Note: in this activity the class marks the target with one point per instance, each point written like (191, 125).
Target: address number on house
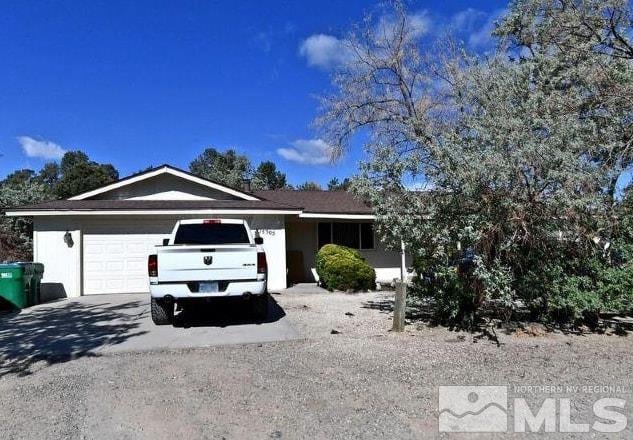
(270, 232)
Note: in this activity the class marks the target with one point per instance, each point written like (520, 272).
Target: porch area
(305, 236)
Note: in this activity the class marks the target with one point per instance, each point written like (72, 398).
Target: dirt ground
(348, 377)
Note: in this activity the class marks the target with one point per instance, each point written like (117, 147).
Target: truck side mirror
(259, 240)
(165, 241)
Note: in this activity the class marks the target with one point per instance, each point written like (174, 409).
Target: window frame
(360, 234)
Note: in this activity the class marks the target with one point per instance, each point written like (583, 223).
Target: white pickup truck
(205, 259)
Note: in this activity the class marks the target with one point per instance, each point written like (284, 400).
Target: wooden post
(399, 307)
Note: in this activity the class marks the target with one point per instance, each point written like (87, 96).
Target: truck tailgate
(206, 263)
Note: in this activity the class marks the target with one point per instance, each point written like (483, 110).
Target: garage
(117, 263)
(115, 254)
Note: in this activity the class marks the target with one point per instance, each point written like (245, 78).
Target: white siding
(273, 230)
(165, 187)
(62, 262)
(386, 263)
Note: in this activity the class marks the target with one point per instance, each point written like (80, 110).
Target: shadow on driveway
(96, 325)
(57, 332)
(225, 312)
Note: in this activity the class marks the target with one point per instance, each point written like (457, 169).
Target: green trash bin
(27, 277)
(36, 283)
(14, 286)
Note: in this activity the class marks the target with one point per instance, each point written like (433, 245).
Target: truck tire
(162, 313)
(259, 307)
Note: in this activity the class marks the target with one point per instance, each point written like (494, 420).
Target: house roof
(318, 202)
(157, 171)
(315, 204)
(120, 206)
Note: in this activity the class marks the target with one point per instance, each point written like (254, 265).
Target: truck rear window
(211, 233)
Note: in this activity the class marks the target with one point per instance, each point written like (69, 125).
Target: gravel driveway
(360, 382)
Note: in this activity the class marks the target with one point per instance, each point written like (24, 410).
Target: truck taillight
(152, 265)
(211, 221)
(262, 265)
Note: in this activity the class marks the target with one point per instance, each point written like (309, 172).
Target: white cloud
(482, 38)
(264, 40)
(473, 25)
(419, 23)
(324, 51)
(41, 148)
(327, 51)
(476, 26)
(467, 19)
(308, 152)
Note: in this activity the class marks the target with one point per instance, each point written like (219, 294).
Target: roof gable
(172, 186)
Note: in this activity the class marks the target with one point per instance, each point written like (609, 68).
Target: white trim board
(154, 212)
(339, 216)
(158, 172)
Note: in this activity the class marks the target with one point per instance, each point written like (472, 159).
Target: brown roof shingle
(313, 202)
(133, 205)
(318, 202)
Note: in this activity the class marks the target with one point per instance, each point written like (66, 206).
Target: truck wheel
(260, 306)
(162, 313)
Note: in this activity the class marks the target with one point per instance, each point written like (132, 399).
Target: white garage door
(115, 256)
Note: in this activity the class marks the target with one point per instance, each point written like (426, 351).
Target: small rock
(349, 314)
(334, 332)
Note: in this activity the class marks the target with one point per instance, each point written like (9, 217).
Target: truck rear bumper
(183, 290)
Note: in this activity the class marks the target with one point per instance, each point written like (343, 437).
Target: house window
(366, 236)
(353, 235)
(325, 234)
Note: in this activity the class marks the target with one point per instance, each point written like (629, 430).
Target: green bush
(597, 288)
(452, 300)
(342, 268)
(326, 252)
(566, 289)
(456, 294)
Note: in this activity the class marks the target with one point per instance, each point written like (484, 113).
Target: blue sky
(138, 83)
